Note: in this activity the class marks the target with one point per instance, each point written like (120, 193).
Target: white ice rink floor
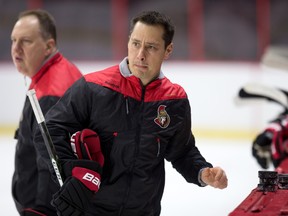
(180, 198)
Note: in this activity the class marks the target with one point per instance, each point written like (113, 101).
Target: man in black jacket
(141, 118)
(35, 55)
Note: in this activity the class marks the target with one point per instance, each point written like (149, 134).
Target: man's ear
(50, 46)
(168, 51)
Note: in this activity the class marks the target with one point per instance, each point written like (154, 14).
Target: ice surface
(180, 198)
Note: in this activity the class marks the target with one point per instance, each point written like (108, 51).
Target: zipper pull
(127, 105)
(158, 143)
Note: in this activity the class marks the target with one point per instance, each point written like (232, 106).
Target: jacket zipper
(130, 179)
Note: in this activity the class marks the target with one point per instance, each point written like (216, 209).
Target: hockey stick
(45, 133)
(261, 91)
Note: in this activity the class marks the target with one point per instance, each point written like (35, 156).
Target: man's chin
(24, 72)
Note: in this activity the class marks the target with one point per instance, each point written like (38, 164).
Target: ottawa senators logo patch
(162, 119)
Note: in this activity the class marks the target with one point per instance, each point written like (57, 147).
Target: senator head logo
(162, 119)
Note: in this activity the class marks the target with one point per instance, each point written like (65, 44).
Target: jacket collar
(124, 69)
(50, 61)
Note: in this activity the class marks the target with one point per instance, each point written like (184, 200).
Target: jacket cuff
(202, 184)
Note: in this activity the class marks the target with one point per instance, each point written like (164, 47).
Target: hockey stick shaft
(254, 90)
(45, 133)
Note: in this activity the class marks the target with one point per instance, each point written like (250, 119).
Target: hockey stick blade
(45, 133)
(261, 91)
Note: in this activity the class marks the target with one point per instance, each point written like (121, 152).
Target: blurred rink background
(218, 48)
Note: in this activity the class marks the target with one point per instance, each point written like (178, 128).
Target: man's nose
(16, 47)
(141, 54)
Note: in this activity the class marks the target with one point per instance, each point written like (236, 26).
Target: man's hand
(73, 199)
(86, 145)
(83, 176)
(215, 177)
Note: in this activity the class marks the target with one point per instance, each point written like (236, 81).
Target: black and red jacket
(32, 185)
(139, 127)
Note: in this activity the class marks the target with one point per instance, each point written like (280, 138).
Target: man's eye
(151, 48)
(27, 41)
(135, 43)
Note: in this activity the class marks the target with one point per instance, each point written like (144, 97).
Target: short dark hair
(156, 18)
(46, 21)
